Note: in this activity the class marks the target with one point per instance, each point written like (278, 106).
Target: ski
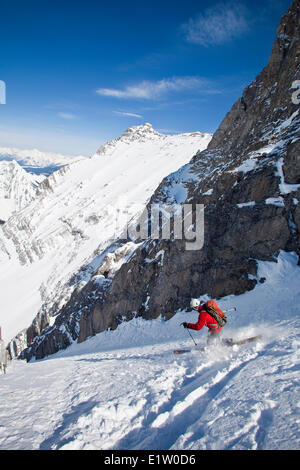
(182, 351)
(225, 342)
(243, 341)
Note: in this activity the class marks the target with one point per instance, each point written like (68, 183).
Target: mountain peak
(143, 127)
(139, 132)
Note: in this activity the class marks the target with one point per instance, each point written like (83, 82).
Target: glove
(184, 324)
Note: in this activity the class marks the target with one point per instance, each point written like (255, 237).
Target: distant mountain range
(37, 162)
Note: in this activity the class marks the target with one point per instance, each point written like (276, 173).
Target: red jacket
(205, 319)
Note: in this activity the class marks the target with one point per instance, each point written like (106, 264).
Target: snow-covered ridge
(145, 133)
(70, 223)
(17, 188)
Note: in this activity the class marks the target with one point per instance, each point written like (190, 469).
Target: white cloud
(121, 113)
(67, 115)
(217, 25)
(154, 89)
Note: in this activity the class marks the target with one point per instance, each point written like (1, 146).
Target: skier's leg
(213, 338)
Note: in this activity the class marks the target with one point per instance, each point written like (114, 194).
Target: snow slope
(124, 389)
(74, 219)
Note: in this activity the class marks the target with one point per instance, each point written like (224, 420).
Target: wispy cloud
(217, 25)
(154, 89)
(67, 116)
(122, 113)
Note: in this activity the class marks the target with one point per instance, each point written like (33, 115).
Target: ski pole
(230, 309)
(191, 336)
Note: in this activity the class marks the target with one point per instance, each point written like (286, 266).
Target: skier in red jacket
(204, 319)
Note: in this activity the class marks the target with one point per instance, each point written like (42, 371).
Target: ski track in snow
(125, 389)
(145, 398)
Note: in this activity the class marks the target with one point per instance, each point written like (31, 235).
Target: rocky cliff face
(249, 182)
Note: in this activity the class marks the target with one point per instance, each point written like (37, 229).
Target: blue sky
(79, 72)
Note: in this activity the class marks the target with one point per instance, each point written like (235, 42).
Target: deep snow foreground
(125, 389)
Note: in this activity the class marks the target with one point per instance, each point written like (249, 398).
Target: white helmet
(194, 304)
